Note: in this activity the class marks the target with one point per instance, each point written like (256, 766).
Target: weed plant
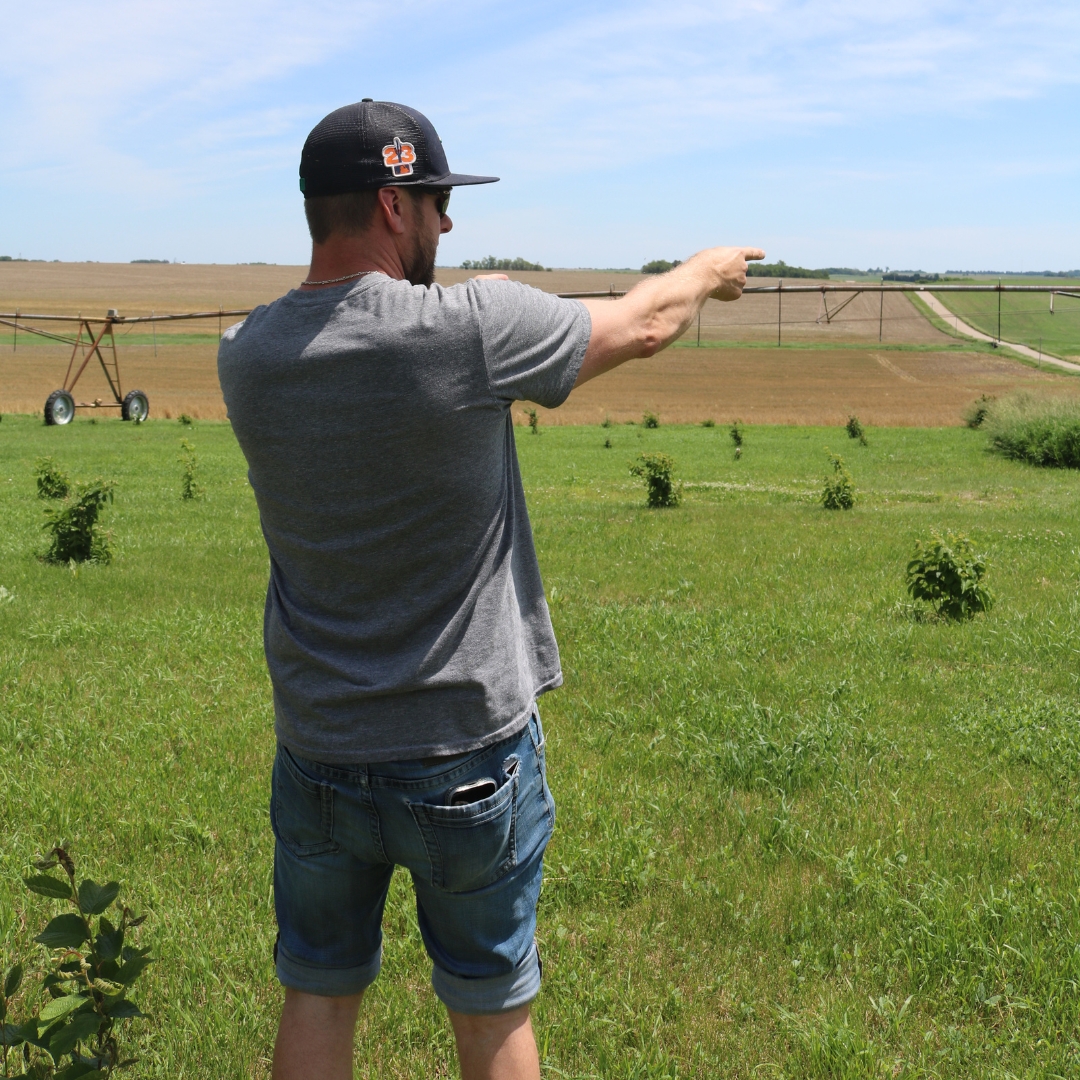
(650, 420)
(708, 423)
(737, 435)
(839, 490)
(975, 414)
(51, 482)
(534, 421)
(76, 536)
(184, 420)
(1038, 430)
(663, 491)
(190, 488)
(947, 573)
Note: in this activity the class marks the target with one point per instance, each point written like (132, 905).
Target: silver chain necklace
(335, 280)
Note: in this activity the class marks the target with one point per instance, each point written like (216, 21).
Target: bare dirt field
(684, 384)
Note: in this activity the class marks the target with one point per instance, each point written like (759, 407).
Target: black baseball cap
(374, 144)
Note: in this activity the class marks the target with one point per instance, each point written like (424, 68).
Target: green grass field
(802, 831)
(1025, 318)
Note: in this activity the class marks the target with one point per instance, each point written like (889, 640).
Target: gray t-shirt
(405, 615)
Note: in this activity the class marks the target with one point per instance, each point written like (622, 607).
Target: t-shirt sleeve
(534, 342)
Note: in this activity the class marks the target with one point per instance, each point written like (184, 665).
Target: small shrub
(190, 488)
(736, 433)
(839, 490)
(90, 972)
(534, 421)
(854, 429)
(650, 420)
(1039, 430)
(606, 422)
(608, 443)
(184, 419)
(948, 574)
(708, 423)
(658, 472)
(977, 411)
(51, 482)
(75, 536)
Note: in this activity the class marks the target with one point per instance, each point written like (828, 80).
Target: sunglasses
(442, 200)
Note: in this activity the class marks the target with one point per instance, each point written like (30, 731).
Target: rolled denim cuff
(477, 997)
(324, 981)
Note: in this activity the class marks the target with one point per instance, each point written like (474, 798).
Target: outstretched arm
(656, 312)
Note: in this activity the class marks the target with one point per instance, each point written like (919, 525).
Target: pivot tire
(136, 406)
(59, 408)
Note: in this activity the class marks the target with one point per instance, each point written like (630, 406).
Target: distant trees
(659, 266)
(491, 263)
(782, 270)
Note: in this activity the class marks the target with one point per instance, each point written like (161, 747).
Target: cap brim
(461, 180)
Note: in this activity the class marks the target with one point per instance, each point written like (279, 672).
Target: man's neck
(345, 257)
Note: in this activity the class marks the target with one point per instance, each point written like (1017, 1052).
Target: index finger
(753, 254)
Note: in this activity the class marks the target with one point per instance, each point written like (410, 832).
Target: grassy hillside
(803, 831)
(1025, 318)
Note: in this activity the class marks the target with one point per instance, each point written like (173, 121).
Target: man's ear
(392, 208)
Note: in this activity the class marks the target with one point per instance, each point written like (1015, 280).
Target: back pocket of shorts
(301, 809)
(471, 846)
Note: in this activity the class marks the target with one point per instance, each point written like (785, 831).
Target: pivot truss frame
(94, 344)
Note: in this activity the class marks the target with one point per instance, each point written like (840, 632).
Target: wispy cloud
(117, 102)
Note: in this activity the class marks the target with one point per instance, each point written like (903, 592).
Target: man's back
(405, 614)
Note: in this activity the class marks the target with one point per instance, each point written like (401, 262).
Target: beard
(419, 267)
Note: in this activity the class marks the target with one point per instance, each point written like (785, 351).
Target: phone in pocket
(473, 791)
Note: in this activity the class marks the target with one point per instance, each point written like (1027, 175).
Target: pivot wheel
(59, 408)
(136, 406)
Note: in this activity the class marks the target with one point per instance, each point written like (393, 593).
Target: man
(406, 630)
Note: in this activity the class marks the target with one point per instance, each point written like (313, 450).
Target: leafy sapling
(658, 472)
(839, 490)
(51, 482)
(74, 1034)
(737, 436)
(534, 421)
(74, 526)
(947, 573)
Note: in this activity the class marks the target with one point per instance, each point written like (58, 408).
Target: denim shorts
(476, 868)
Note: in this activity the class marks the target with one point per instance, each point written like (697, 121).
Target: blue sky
(923, 135)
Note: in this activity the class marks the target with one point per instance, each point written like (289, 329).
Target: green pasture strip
(803, 831)
(1025, 318)
(964, 345)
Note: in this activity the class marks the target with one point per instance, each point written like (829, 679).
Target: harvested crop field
(927, 381)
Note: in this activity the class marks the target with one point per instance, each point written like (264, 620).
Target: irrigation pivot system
(89, 341)
(95, 337)
(856, 289)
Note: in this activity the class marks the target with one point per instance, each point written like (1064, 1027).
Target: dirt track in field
(757, 385)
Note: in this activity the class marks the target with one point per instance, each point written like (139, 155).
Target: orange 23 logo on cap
(399, 156)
